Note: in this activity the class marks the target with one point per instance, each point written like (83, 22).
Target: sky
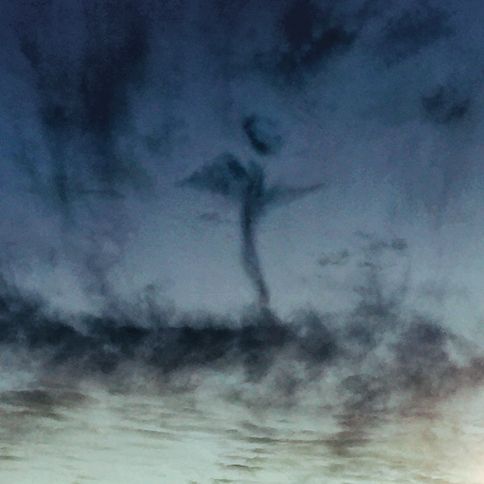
(378, 101)
(136, 133)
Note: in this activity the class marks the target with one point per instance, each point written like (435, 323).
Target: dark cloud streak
(247, 186)
(445, 105)
(311, 37)
(261, 133)
(84, 94)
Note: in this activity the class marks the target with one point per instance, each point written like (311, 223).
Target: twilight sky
(136, 132)
(106, 107)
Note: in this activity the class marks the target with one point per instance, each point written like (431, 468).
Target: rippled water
(58, 435)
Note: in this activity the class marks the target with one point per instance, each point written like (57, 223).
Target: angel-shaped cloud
(246, 185)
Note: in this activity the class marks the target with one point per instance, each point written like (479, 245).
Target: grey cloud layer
(383, 360)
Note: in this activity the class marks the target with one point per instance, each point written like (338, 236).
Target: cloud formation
(83, 94)
(247, 186)
(375, 361)
(380, 100)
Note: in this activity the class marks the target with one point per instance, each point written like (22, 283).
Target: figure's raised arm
(282, 195)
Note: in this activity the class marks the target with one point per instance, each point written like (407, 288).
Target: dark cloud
(45, 400)
(85, 63)
(101, 344)
(418, 27)
(228, 177)
(387, 362)
(261, 132)
(33, 409)
(310, 36)
(375, 245)
(335, 259)
(445, 105)
(84, 93)
(225, 176)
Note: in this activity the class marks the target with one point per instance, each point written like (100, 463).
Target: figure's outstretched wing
(281, 195)
(224, 176)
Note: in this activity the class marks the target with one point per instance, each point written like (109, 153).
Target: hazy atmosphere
(245, 232)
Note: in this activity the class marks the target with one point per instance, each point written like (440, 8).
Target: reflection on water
(56, 435)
